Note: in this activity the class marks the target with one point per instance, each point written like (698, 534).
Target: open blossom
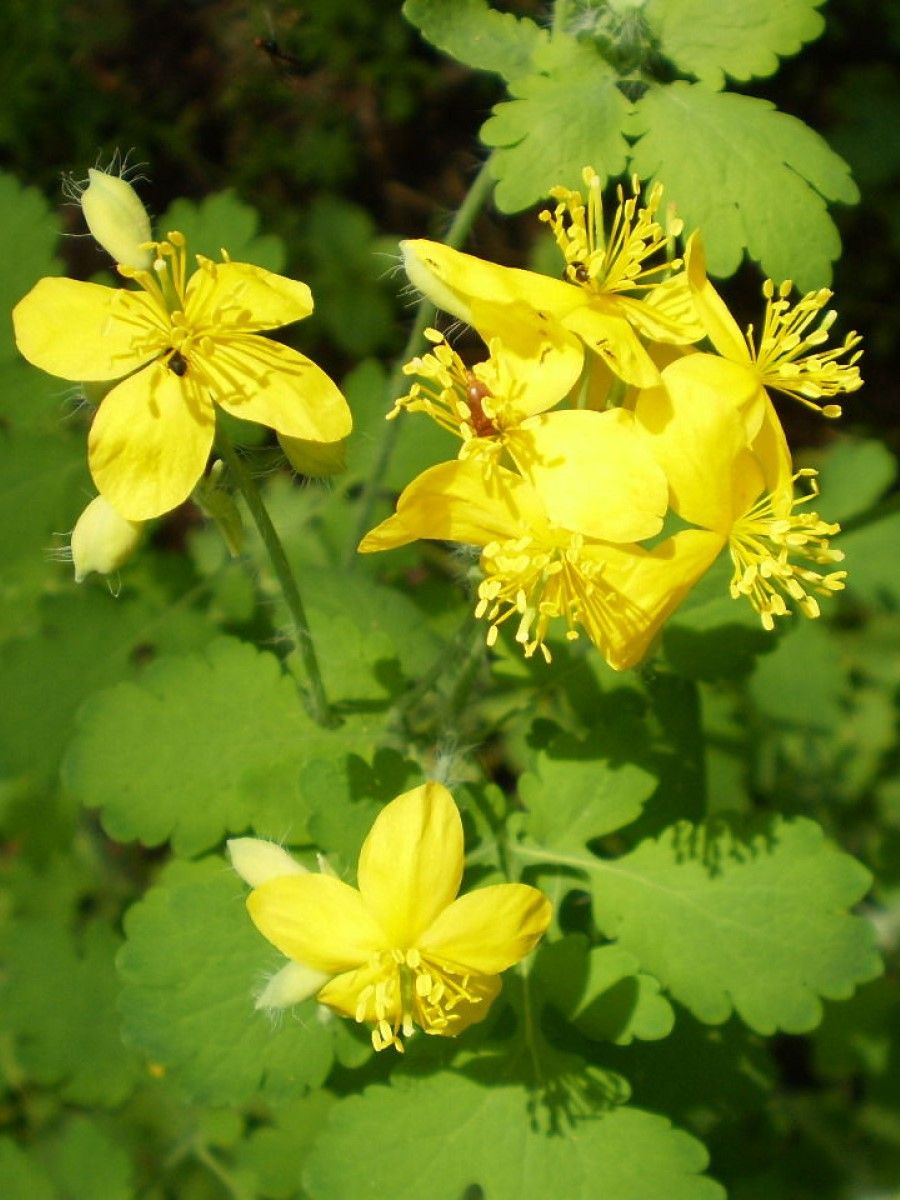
(731, 476)
(595, 304)
(485, 404)
(785, 356)
(552, 537)
(180, 343)
(400, 950)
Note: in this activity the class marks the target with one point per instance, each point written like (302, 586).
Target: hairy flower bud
(102, 541)
(117, 219)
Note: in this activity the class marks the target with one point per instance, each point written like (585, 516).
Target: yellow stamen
(614, 263)
(540, 580)
(459, 399)
(413, 989)
(787, 357)
(763, 544)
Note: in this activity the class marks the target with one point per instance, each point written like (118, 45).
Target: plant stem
(315, 692)
(424, 315)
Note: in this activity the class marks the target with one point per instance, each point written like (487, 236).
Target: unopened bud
(117, 219)
(257, 860)
(102, 540)
(315, 460)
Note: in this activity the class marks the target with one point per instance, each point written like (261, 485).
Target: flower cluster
(400, 950)
(620, 434)
(181, 342)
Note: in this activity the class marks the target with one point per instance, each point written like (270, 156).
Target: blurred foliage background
(344, 131)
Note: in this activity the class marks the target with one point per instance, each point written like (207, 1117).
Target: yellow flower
(401, 950)
(484, 404)
(786, 357)
(593, 302)
(730, 474)
(551, 536)
(179, 345)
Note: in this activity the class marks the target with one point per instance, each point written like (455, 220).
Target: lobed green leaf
(478, 35)
(715, 38)
(747, 176)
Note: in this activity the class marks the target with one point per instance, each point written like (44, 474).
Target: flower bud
(291, 985)
(315, 460)
(117, 219)
(102, 541)
(257, 860)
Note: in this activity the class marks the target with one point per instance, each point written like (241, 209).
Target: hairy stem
(424, 315)
(315, 689)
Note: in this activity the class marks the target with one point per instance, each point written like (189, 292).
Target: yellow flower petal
(86, 332)
(594, 472)
(243, 298)
(293, 984)
(487, 931)
(452, 280)
(651, 585)
(317, 920)
(697, 429)
(603, 328)
(149, 442)
(411, 863)
(454, 502)
(541, 357)
(721, 328)
(264, 381)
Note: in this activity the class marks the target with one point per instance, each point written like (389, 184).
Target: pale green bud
(315, 460)
(102, 540)
(293, 983)
(257, 861)
(117, 219)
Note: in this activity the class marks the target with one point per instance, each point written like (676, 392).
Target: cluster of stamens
(456, 397)
(412, 990)
(764, 542)
(538, 581)
(617, 262)
(787, 357)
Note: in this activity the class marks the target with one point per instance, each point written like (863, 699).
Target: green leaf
(191, 964)
(714, 38)
(602, 991)
(58, 1000)
(86, 1164)
(466, 1136)
(568, 115)
(84, 641)
(853, 476)
(222, 221)
(28, 235)
(20, 1177)
(803, 682)
(575, 795)
(478, 35)
(204, 745)
(275, 1154)
(713, 636)
(872, 553)
(755, 923)
(44, 486)
(747, 176)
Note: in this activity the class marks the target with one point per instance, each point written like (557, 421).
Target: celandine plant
(541, 810)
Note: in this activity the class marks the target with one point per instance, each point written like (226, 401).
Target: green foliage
(468, 1134)
(226, 724)
(715, 38)
(190, 967)
(684, 818)
(747, 176)
(478, 35)
(567, 114)
(223, 221)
